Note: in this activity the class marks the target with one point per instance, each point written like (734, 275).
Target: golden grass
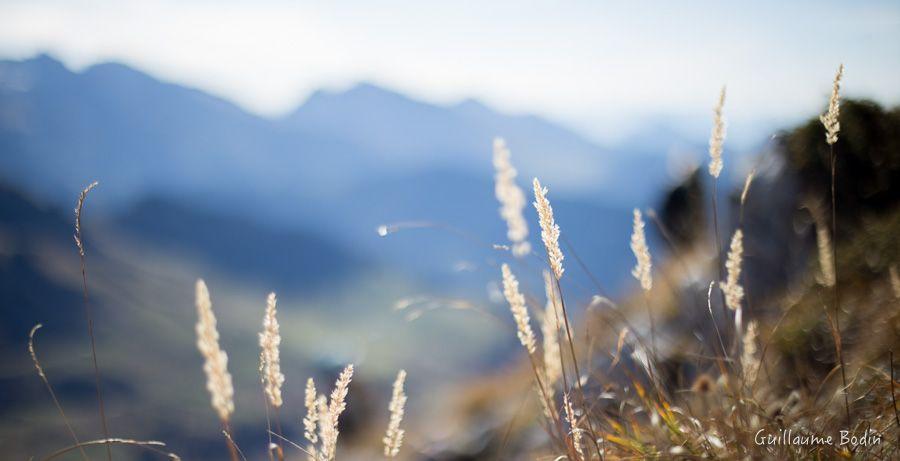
(393, 437)
(717, 137)
(269, 341)
(511, 198)
(549, 229)
(734, 292)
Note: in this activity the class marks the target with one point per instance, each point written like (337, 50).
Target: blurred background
(261, 145)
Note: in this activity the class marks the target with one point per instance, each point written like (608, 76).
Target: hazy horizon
(594, 68)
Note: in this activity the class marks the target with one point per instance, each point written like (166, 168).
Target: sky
(596, 65)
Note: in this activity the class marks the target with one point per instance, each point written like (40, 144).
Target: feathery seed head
(717, 137)
(573, 424)
(545, 405)
(269, 341)
(218, 380)
(517, 305)
(734, 292)
(312, 413)
(830, 118)
(823, 244)
(34, 359)
(78, 207)
(749, 360)
(747, 183)
(336, 405)
(393, 439)
(643, 269)
(511, 198)
(549, 229)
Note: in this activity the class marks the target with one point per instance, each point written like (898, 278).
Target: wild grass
(747, 393)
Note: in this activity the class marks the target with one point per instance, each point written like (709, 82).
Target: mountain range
(337, 167)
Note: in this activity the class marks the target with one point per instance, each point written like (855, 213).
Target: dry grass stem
(549, 229)
(59, 408)
(152, 445)
(393, 438)
(717, 137)
(643, 269)
(218, 380)
(519, 311)
(511, 198)
(269, 341)
(830, 118)
(550, 333)
(79, 242)
(734, 292)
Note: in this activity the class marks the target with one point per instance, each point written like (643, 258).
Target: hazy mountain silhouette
(344, 162)
(60, 129)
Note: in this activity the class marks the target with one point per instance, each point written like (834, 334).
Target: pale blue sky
(595, 65)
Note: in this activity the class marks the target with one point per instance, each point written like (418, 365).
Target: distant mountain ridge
(59, 129)
(336, 168)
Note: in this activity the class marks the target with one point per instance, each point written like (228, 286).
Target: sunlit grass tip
(511, 198)
(734, 292)
(549, 229)
(269, 342)
(218, 380)
(520, 312)
(393, 438)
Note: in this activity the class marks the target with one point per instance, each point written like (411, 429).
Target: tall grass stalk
(832, 125)
(526, 335)
(79, 242)
(643, 272)
(550, 236)
(215, 366)
(716, 143)
(393, 437)
(270, 366)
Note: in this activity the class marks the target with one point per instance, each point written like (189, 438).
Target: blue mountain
(338, 166)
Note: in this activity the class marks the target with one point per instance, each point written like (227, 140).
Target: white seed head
(830, 118)
(717, 137)
(78, 208)
(734, 292)
(549, 229)
(643, 269)
(312, 413)
(577, 435)
(393, 439)
(269, 341)
(336, 405)
(749, 360)
(511, 198)
(218, 380)
(519, 311)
